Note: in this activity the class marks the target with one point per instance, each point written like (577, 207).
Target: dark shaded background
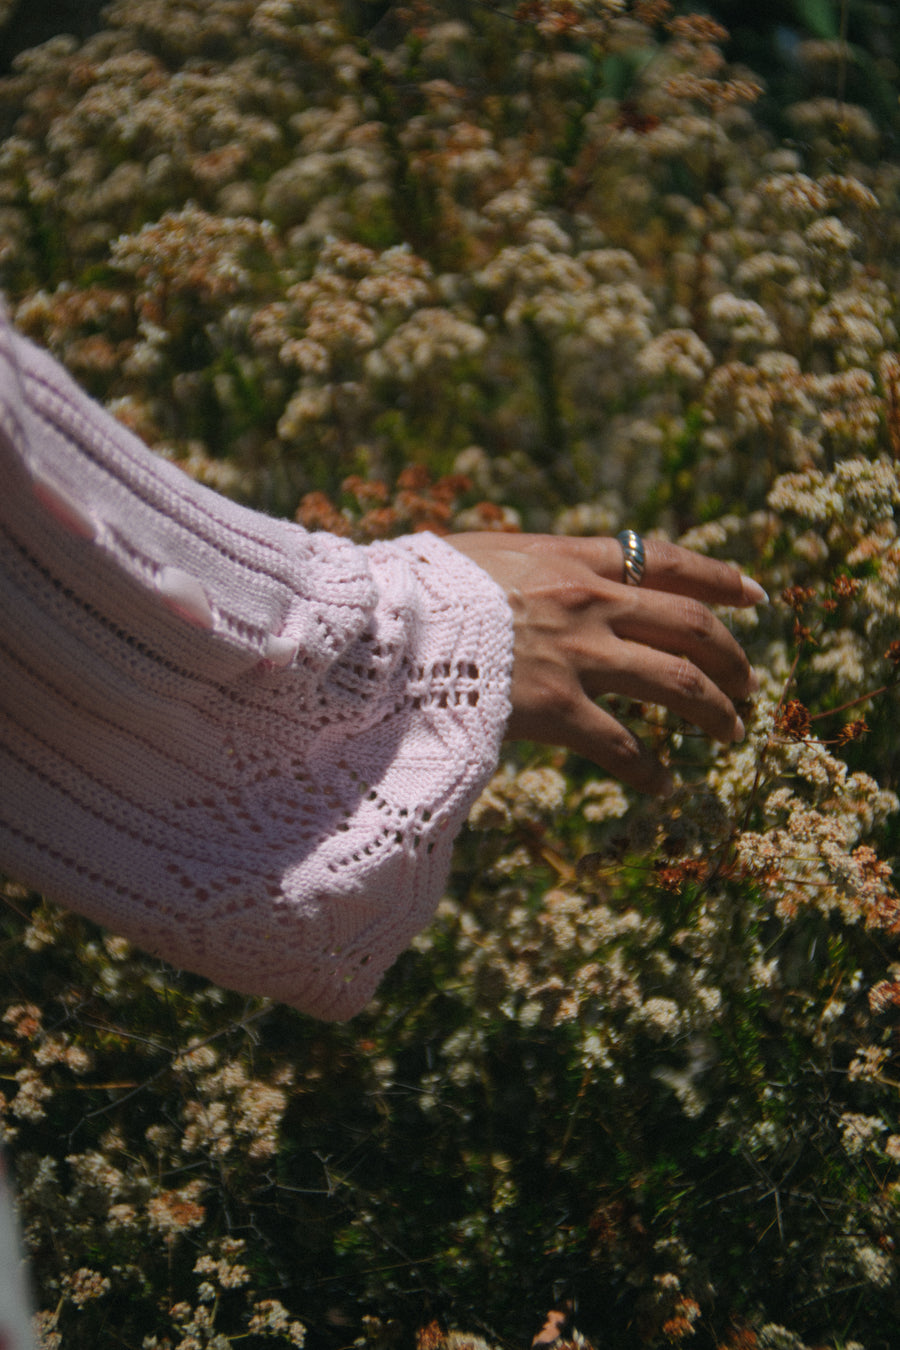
(33, 21)
(766, 36)
(764, 32)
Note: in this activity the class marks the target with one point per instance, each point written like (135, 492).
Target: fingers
(581, 632)
(592, 732)
(683, 627)
(656, 677)
(668, 568)
(597, 736)
(678, 571)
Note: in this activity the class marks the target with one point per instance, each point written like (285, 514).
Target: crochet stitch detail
(245, 747)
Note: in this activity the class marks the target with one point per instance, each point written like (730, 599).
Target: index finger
(678, 571)
(668, 567)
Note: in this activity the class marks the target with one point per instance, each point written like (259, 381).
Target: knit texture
(245, 747)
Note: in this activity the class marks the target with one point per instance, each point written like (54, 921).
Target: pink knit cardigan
(245, 747)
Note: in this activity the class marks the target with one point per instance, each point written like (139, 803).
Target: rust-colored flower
(631, 118)
(652, 12)
(740, 1338)
(884, 995)
(793, 720)
(890, 379)
(379, 523)
(316, 512)
(550, 17)
(367, 491)
(884, 913)
(451, 486)
(413, 478)
(697, 28)
(429, 1337)
(853, 731)
(674, 876)
(25, 1019)
(174, 1212)
(845, 587)
(798, 597)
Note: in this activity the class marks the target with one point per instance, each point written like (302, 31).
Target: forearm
(246, 747)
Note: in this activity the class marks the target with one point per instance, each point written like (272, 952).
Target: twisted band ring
(633, 549)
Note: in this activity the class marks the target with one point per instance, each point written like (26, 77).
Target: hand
(580, 633)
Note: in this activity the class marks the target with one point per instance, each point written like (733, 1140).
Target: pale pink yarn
(245, 747)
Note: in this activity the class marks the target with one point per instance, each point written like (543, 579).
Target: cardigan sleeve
(245, 747)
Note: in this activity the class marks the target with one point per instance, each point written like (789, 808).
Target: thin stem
(842, 707)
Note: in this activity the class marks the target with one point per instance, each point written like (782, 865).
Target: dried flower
(793, 720)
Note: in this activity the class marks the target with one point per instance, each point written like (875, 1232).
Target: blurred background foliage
(556, 266)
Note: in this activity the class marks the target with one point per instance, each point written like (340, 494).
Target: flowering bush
(549, 270)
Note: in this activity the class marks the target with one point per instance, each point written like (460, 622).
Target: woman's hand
(580, 633)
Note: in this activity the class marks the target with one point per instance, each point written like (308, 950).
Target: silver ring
(635, 559)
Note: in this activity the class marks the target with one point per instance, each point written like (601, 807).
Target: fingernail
(754, 682)
(740, 729)
(753, 592)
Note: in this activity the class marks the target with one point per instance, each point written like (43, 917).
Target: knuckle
(565, 593)
(675, 565)
(724, 576)
(698, 621)
(567, 703)
(577, 595)
(667, 558)
(559, 694)
(689, 682)
(582, 592)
